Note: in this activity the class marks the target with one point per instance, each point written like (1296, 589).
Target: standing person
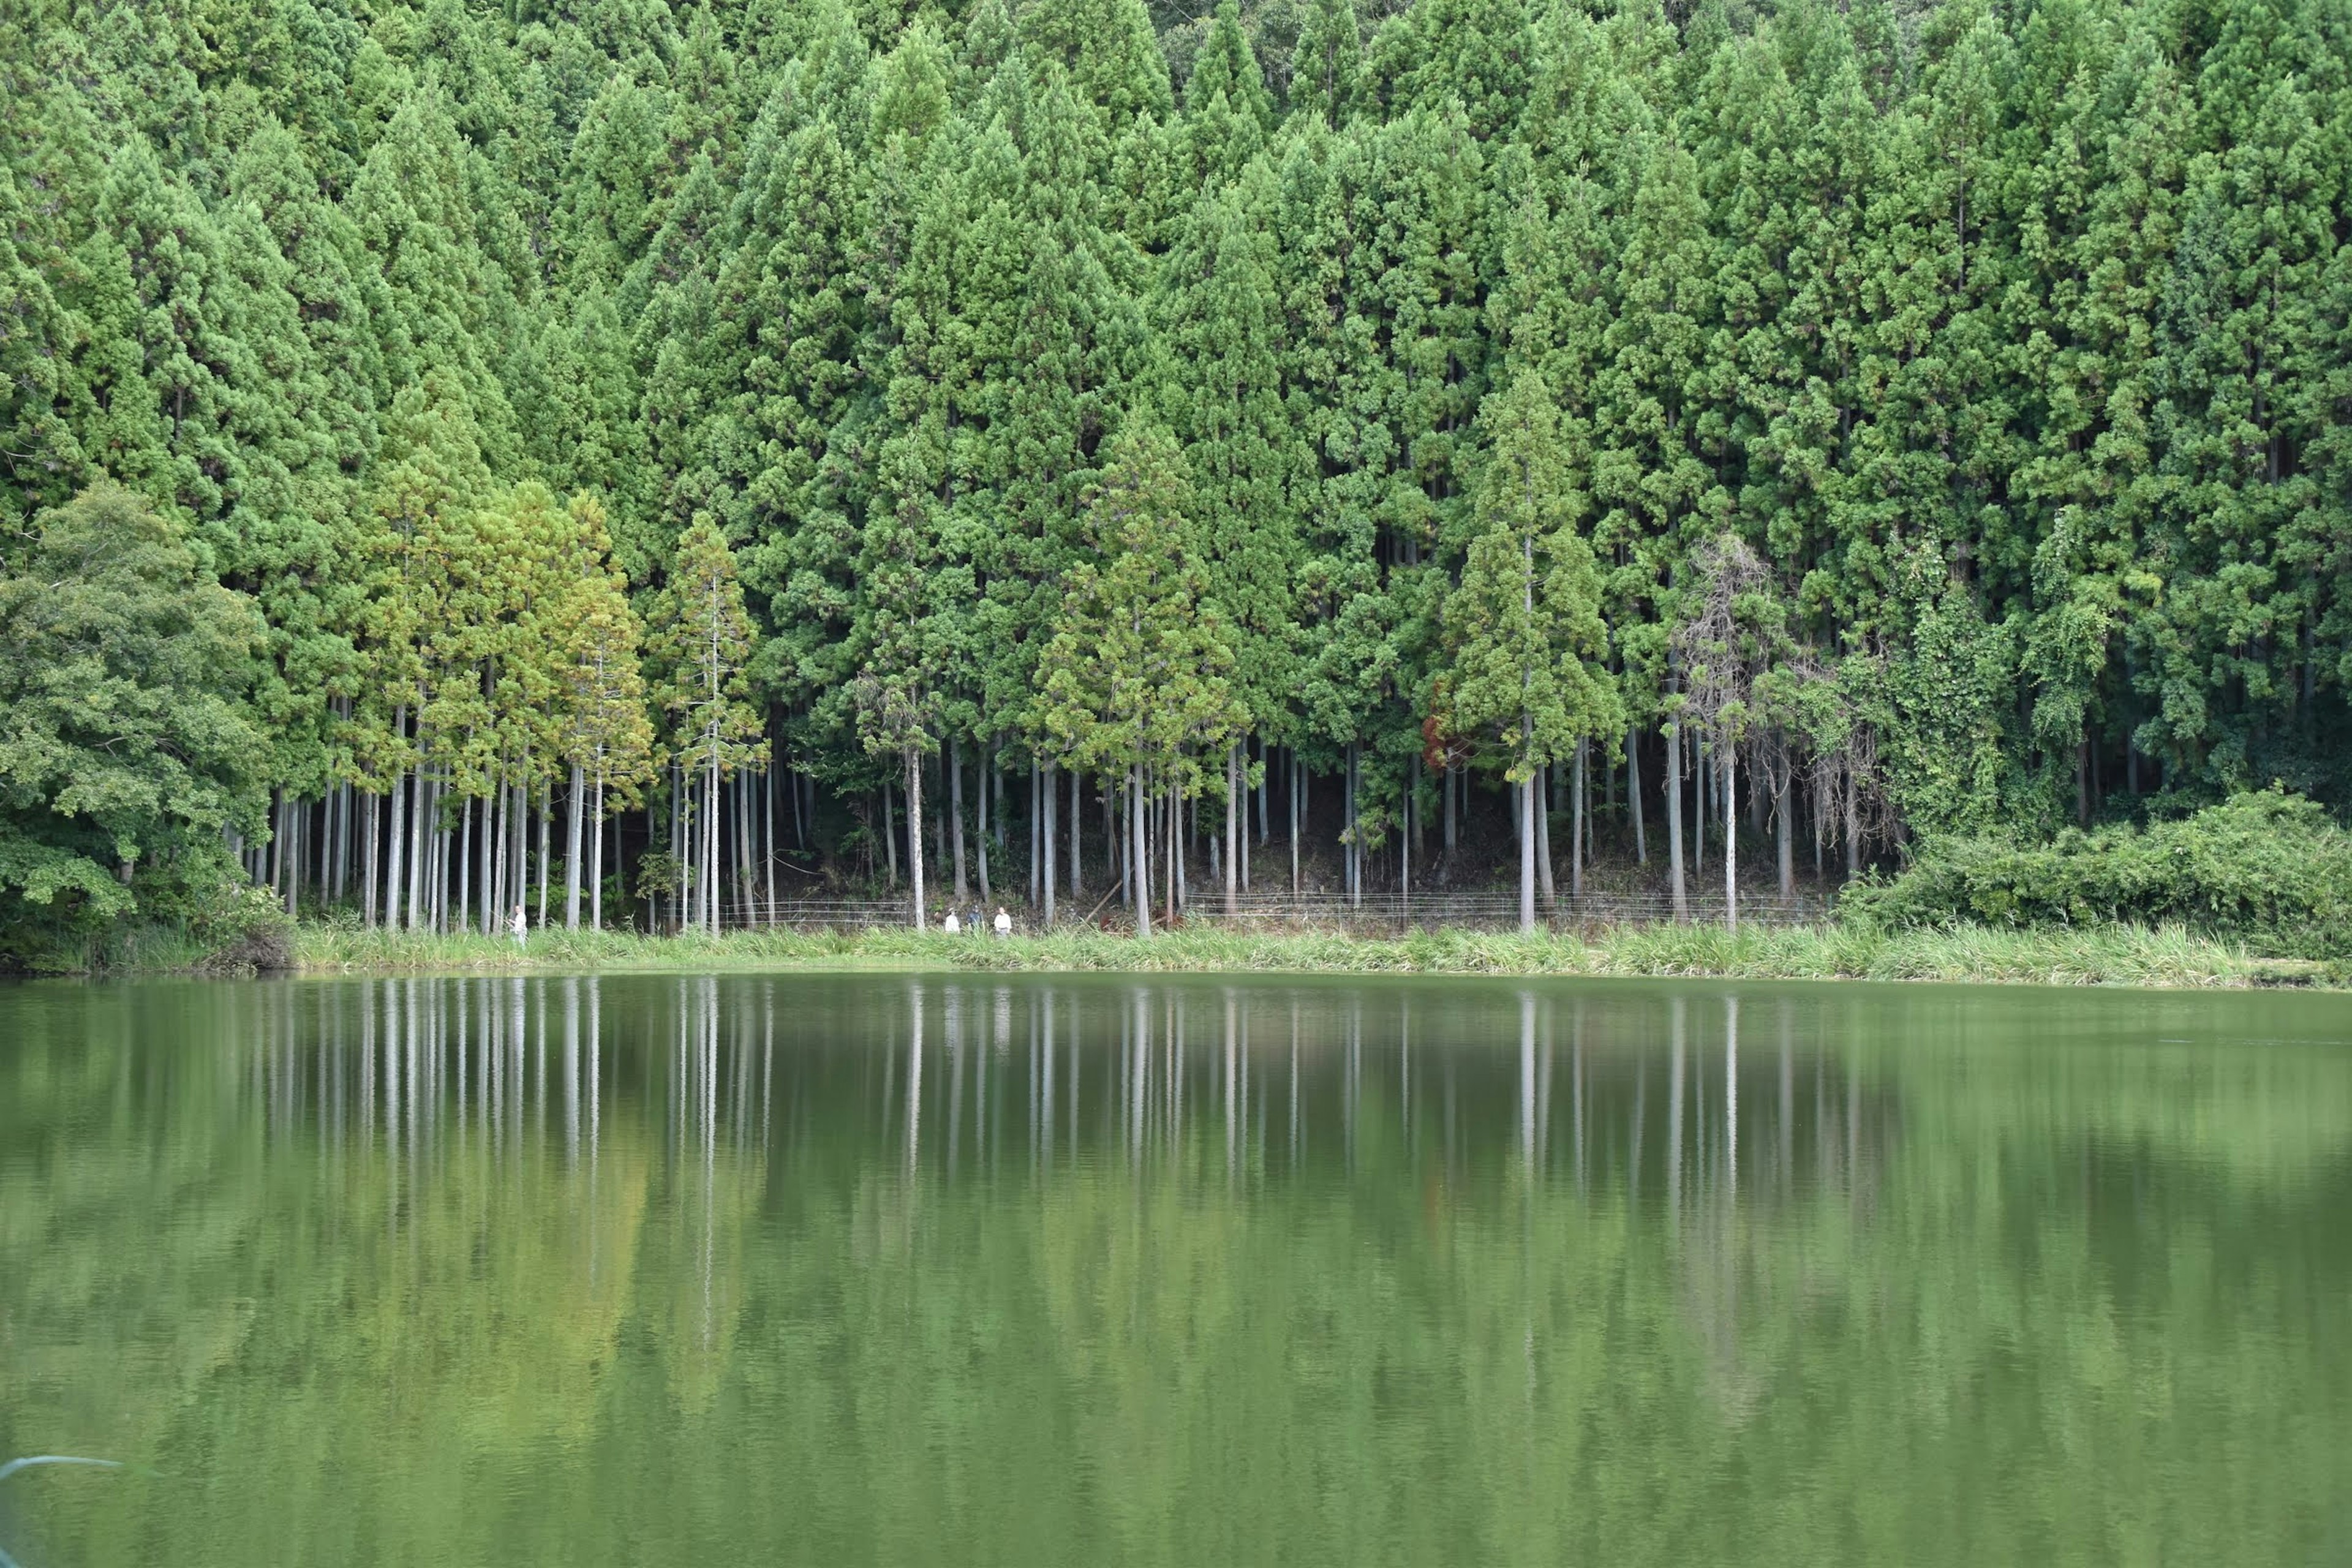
(952, 925)
(519, 927)
(1003, 922)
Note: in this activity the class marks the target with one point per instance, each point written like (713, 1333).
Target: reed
(2112, 955)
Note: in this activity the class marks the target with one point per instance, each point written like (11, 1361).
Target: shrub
(2271, 869)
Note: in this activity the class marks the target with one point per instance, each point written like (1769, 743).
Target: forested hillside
(738, 425)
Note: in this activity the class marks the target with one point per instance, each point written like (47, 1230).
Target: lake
(1044, 1270)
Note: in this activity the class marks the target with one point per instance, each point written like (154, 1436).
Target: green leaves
(1524, 627)
(125, 745)
(1139, 671)
(2010, 345)
(701, 639)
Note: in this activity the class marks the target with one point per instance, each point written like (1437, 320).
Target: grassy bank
(2119, 955)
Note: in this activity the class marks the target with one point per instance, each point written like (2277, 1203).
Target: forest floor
(2120, 955)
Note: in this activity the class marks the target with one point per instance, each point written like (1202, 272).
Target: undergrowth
(2118, 955)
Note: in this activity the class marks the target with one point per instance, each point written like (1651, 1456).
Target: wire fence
(1372, 914)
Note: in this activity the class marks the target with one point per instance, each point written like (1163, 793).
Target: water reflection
(893, 1267)
(436, 1080)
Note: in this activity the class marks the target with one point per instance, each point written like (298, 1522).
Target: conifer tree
(702, 635)
(609, 740)
(1523, 628)
(1137, 681)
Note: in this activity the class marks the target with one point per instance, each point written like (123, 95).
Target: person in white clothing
(1003, 921)
(518, 926)
(952, 925)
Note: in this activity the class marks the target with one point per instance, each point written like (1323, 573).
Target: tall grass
(2115, 955)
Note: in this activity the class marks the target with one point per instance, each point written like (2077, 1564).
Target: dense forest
(680, 456)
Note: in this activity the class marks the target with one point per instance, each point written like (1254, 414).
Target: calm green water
(891, 1269)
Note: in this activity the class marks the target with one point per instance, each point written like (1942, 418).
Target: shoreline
(2120, 955)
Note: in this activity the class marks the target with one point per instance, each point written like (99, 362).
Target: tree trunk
(1527, 852)
(1730, 836)
(1139, 884)
(1412, 806)
(546, 810)
(1544, 801)
(1405, 835)
(576, 805)
(747, 844)
(1784, 798)
(476, 893)
(1234, 804)
(1576, 825)
(1172, 863)
(1245, 841)
(436, 838)
(396, 831)
(680, 853)
(915, 833)
(955, 814)
(982, 821)
(1700, 803)
(712, 793)
(1674, 814)
(1634, 795)
(596, 862)
(1852, 825)
(280, 829)
(1048, 795)
(1265, 788)
(337, 839)
(372, 860)
(889, 835)
(939, 819)
(1295, 824)
(1078, 817)
(494, 852)
(1347, 829)
(1449, 788)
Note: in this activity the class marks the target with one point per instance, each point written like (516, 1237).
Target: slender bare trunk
(711, 841)
(982, 776)
(1527, 853)
(1295, 779)
(1673, 802)
(371, 859)
(1784, 798)
(1576, 824)
(915, 833)
(1852, 825)
(473, 894)
(1047, 797)
(1634, 795)
(1730, 836)
(596, 861)
(1138, 882)
(1544, 786)
(1233, 805)
(955, 814)
(572, 853)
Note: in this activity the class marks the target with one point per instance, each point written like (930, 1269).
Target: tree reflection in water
(894, 1268)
